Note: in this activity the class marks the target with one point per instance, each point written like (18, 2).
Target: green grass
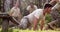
(0, 29)
(18, 30)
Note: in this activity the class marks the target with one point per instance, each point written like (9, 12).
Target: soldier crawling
(34, 17)
(15, 13)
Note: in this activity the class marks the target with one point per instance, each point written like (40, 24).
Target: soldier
(15, 12)
(55, 14)
(31, 7)
(32, 18)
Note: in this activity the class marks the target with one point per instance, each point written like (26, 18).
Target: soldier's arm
(42, 23)
(11, 12)
(20, 15)
(37, 15)
(35, 21)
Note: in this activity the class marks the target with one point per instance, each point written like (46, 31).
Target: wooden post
(5, 24)
(5, 21)
(5, 17)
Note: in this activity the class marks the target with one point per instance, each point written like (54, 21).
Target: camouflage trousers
(24, 23)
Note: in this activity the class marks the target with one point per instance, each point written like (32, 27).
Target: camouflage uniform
(24, 23)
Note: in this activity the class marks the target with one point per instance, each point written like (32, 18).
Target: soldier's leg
(41, 24)
(29, 25)
(23, 23)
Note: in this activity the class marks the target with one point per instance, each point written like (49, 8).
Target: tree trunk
(7, 5)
